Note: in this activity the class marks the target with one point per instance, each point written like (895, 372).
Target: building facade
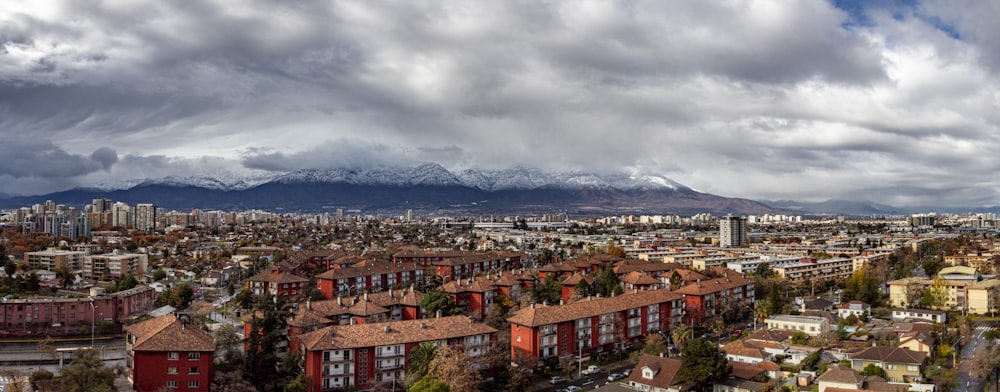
(169, 352)
(733, 232)
(366, 356)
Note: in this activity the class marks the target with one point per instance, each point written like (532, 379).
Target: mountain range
(427, 187)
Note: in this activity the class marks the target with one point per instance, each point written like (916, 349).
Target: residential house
(900, 364)
(860, 310)
(937, 316)
(655, 374)
(812, 326)
(368, 276)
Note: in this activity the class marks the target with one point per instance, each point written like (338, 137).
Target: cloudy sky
(808, 100)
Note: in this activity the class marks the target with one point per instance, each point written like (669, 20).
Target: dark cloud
(25, 157)
(756, 99)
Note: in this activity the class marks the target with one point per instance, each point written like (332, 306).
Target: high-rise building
(145, 217)
(733, 231)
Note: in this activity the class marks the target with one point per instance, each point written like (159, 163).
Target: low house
(655, 374)
(936, 316)
(812, 326)
(900, 364)
(859, 309)
(840, 377)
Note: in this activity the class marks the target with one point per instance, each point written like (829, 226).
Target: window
(173, 356)
(193, 384)
(194, 355)
(172, 370)
(194, 370)
(171, 383)
(913, 368)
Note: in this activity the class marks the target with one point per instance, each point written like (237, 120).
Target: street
(977, 343)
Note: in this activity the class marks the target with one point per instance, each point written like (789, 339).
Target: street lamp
(92, 321)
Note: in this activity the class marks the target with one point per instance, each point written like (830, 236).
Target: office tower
(733, 231)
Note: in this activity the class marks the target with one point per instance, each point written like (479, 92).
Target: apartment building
(52, 259)
(733, 231)
(57, 316)
(705, 299)
(366, 356)
(810, 269)
(275, 282)
(114, 265)
(169, 353)
(960, 286)
(460, 264)
(368, 276)
(593, 324)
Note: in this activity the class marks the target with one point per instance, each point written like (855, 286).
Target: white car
(615, 377)
(592, 369)
(573, 388)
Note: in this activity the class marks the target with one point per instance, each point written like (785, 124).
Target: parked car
(557, 380)
(573, 388)
(627, 372)
(592, 369)
(615, 377)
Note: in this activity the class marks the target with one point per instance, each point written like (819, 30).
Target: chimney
(437, 314)
(308, 304)
(386, 328)
(532, 305)
(562, 301)
(340, 301)
(366, 296)
(423, 325)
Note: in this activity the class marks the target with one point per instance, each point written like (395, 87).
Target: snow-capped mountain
(428, 186)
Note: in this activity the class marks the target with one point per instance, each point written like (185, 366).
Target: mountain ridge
(424, 187)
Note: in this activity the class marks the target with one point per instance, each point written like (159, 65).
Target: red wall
(151, 371)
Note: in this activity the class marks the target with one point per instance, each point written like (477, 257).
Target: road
(587, 382)
(977, 344)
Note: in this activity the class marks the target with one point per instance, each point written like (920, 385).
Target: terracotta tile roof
(770, 335)
(398, 332)
(745, 371)
(368, 268)
(626, 266)
(843, 375)
(739, 348)
(405, 297)
(665, 368)
(278, 277)
(538, 315)
(575, 279)
(713, 286)
(477, 285)
(473, 258)
(890, 355)
(168, 333)
(557, 268)
(691, 276)
(639, 278)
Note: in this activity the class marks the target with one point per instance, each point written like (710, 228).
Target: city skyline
(892, 102)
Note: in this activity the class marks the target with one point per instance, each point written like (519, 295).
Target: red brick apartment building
(368, 355)
(592, 325)
(60, 316)
(706, 298)
(168, 352)
(460, 264)
(367, 277)
(275, 282)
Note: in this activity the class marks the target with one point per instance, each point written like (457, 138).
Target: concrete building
(169, 352)
(812, 326)
(733, 231)
(53, 259)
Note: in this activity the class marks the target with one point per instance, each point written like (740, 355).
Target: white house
(857, 308)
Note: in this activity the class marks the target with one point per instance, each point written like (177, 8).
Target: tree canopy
(702, 363)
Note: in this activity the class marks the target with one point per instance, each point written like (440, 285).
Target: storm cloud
(810, 100)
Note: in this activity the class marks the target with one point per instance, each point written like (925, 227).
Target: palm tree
(419, 361)
(681, 335)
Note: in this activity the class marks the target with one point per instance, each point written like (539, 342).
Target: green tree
(418, 361)
(653, 344)
(811, 360)
(159, 274)
(184, 295)
(874, 370)
(454, 368)
(800, 338)
(547, 292)
(434, 301)
(606, 283)
(87, 373)
(702, 363)
(267, 331)
(582, 289)
(681, 335)
(429, 384)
